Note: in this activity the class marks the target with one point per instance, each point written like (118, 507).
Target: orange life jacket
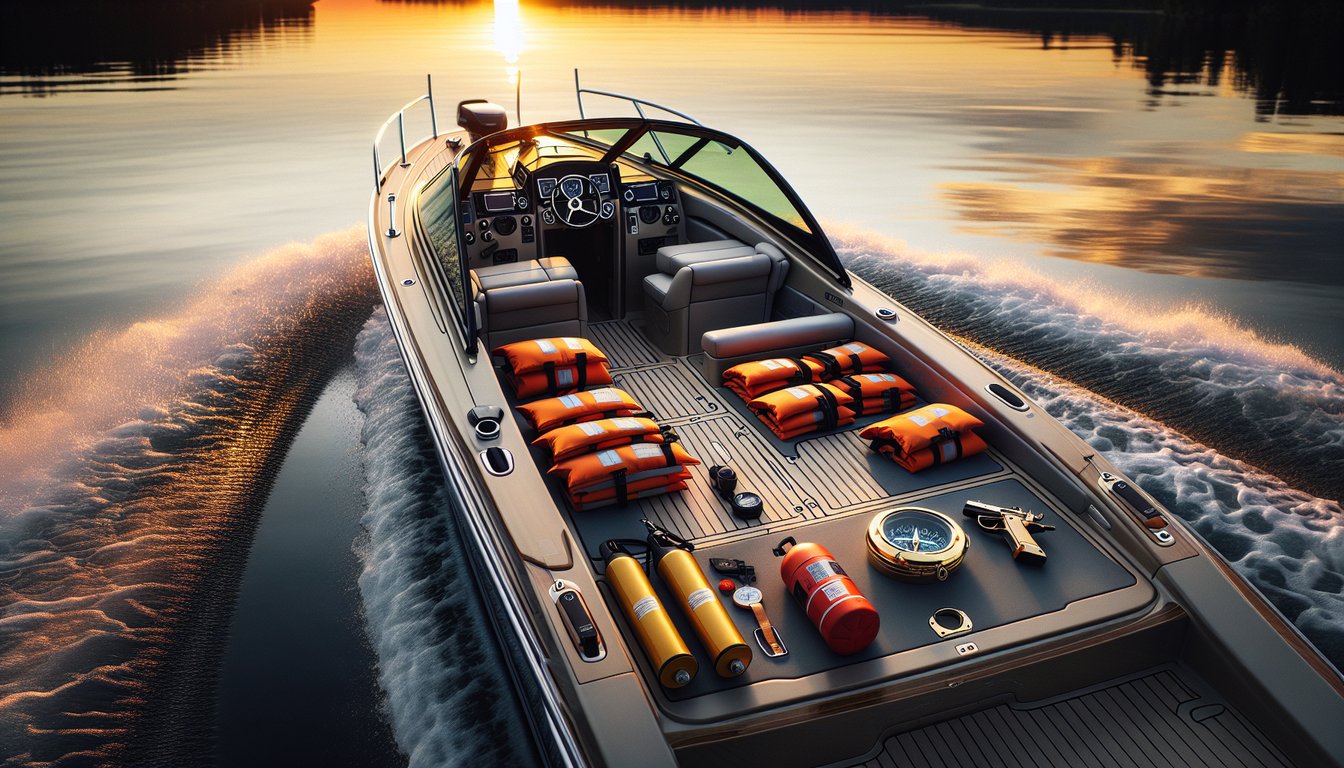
(957, 445)
(607, 499)
(790, 402)
(591, 469)
(535, 355)
(844, 360)
(921, 428)
(876, 392)
(641, 481)
(606, 403)
(751, 380)
(811, 421)
(575, 439)
(553, 380)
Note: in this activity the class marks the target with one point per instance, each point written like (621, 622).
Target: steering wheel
(576, 201)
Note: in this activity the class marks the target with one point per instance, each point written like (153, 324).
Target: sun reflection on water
(509, 39)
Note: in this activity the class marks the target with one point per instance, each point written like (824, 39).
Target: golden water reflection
(509, 39)
(1164, 215)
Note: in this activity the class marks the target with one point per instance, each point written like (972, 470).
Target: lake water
(215, 496)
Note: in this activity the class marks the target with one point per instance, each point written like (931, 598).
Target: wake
(1286, 542)
(1265, 403)
(135, 469)
(447, 691)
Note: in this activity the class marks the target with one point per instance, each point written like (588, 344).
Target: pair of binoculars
(745, 504)
(723, 480)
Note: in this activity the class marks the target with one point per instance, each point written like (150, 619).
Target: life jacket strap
(944, 436)
(549, 368)
(830, 366)
(830, 408)
(802, 374)
(891, 399)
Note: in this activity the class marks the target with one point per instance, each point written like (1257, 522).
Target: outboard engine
(481, 118)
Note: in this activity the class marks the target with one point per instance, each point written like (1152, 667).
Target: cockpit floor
(798, 479)
(1164, 717)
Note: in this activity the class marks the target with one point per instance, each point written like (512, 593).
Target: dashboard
(508, 225)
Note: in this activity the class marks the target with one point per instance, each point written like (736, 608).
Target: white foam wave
(447, 695)
(112, 378)
(1288, 543)
(1266, 402)
(134, 470)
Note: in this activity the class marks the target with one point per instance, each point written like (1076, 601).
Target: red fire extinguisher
(845, 618)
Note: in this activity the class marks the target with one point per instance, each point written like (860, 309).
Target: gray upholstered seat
(533, 311)
(703, 296)
(528, 300)
(671, 260)
(522, 273)
(726, 347)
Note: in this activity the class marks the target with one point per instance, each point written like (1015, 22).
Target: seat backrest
(534, 311)
(671, 258)
(779, 272)
(719, 279)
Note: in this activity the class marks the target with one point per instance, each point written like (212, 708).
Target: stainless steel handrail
(634, 100)
(400, 117)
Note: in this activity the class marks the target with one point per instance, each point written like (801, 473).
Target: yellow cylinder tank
(672, 660)
(682, 574)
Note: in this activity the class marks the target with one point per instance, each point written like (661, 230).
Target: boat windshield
(716, 163)
(716, 160)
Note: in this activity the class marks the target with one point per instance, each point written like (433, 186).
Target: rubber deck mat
(1165, 719)
(624, 346)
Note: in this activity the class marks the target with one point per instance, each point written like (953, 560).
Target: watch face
(747, 596)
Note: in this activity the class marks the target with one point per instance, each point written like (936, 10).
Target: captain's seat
(528, 300)
(703, 286)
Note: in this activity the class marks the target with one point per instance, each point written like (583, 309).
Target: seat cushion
(763, 338)
(671, 258)
(508, 275)
(670, 264)
(656, 287)
(558, 268)
(532, 296)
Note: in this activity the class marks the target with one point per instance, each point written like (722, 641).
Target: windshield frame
(815, 242)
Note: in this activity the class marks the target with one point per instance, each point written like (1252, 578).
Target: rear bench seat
(528, 300)
(727, 347)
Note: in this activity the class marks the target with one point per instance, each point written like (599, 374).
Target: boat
(705, 541)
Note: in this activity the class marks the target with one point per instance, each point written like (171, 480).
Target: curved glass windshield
(729, 168)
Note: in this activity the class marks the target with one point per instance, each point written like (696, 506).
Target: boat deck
(828, 485)
(796, 478)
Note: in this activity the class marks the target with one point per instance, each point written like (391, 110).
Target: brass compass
(916, 544)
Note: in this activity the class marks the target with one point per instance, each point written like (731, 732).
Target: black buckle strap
(802, 374)
(551, 387)
(944, 435)
(891, 399)
(879, 443)
(830, 366)
(829, 407)
(668, 455)
(618, 480)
